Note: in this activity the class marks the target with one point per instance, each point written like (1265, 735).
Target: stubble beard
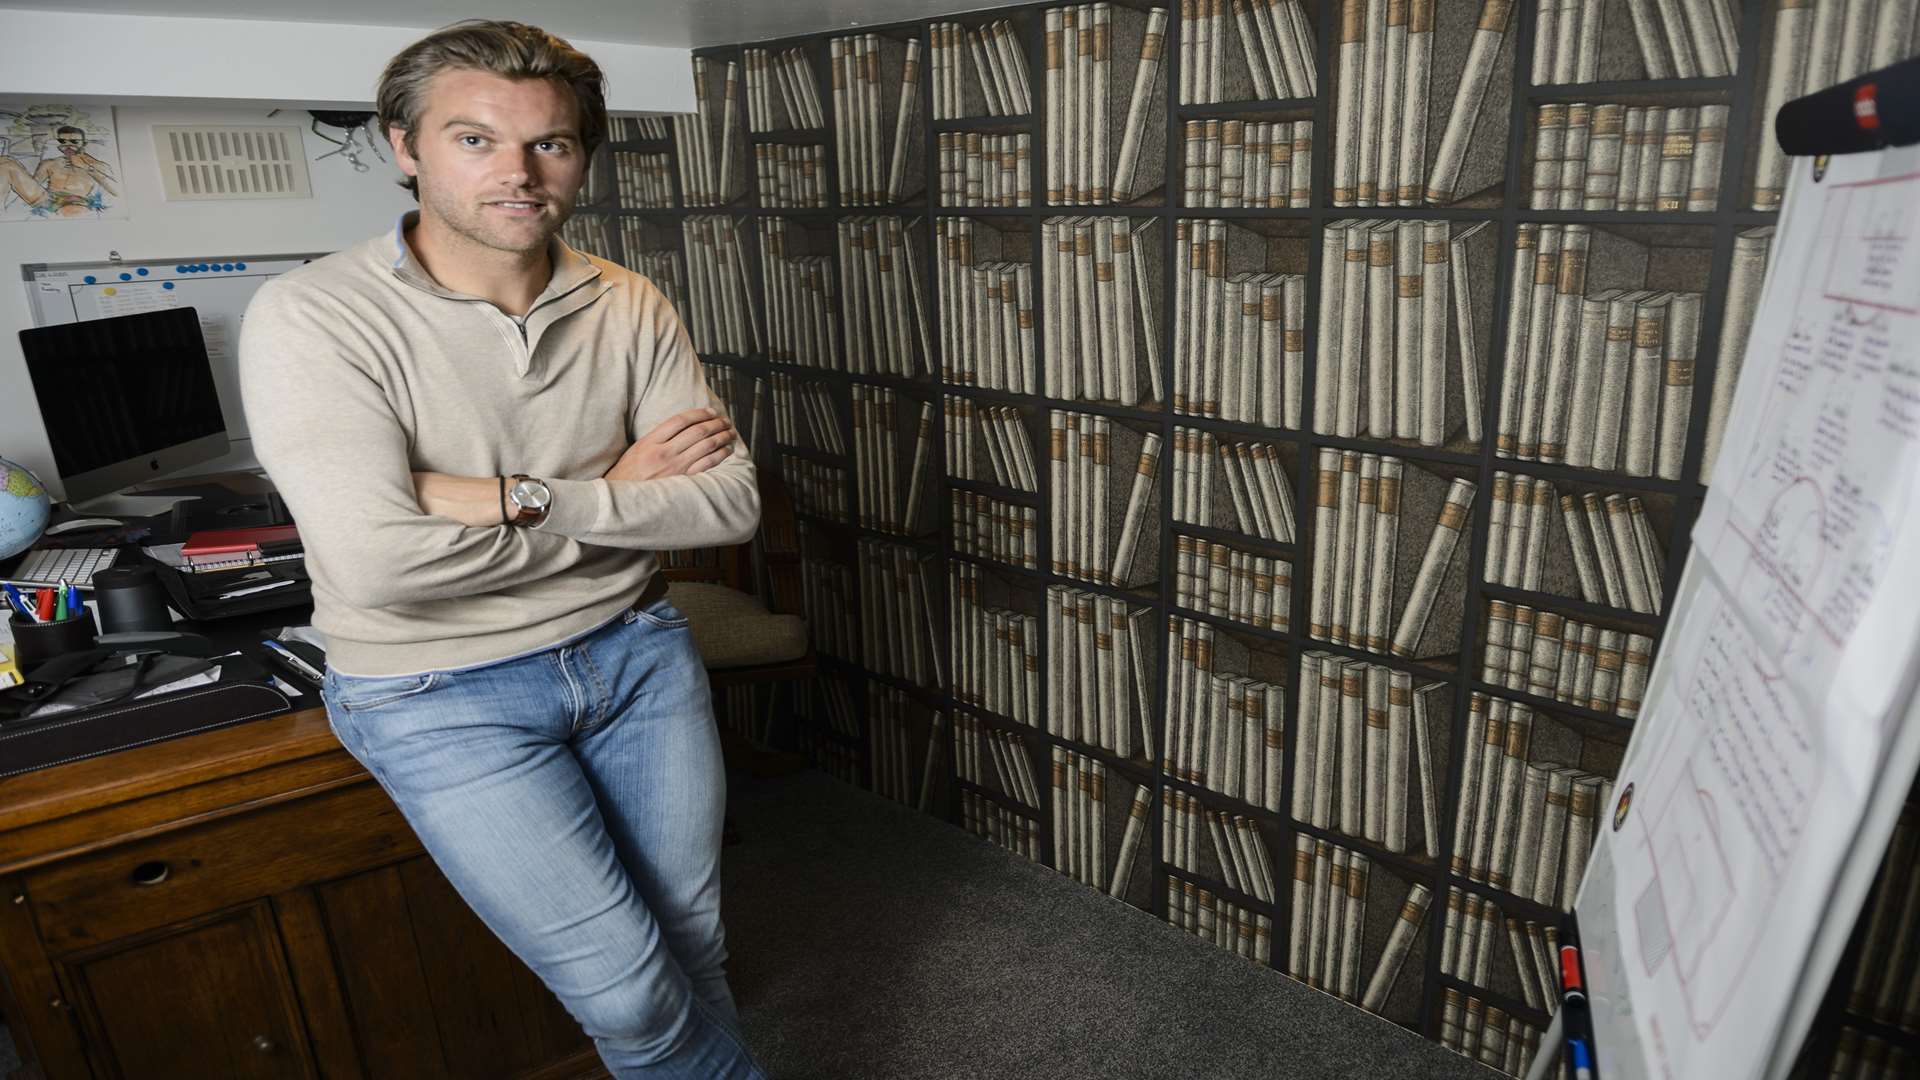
(469, 221)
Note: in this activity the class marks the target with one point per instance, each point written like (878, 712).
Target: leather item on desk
(74, 736)
(197, 596)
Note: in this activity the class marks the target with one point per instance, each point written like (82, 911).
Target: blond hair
(514, 50)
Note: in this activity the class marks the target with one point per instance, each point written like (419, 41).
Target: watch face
(530, 495)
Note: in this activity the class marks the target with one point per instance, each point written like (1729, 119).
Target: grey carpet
(872, 943)
(868, 942)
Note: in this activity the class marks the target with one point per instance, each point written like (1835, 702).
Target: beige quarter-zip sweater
(359, 369)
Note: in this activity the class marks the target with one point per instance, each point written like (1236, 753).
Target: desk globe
(24, 509)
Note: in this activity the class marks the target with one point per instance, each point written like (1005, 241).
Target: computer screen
(125, 399)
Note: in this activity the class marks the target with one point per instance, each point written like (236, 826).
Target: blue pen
(294, 661)
(1582, 1060)
(18, 603)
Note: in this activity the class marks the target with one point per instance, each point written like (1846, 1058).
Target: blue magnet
(239, 266)
(142, 271)
(166, 284)
(126, 277)
(89, 279)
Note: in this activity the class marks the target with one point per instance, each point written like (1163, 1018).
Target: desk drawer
(163, 879)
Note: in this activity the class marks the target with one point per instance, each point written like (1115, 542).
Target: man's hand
(470, 500)
(684, 444)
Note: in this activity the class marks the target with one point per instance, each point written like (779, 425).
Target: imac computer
(125, 400)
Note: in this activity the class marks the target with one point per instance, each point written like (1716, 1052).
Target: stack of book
(873, 171)
(987, 170)
(1225, 731)
(1080, 451)
(1750, 247)
(640, 243)
(881, 303)
(1098, 309)
(1098, 677)
(814, 399)
(996, 431)
(588, 233)
(1521, 826)
(1006, 827)
(1550, 656)
(986, 296)
(1397, 301)
(1487, 1033)
(1358, 581)
(1224, 581)
(706, 170)
(1884, 987)
(1858, 1054)
(827, 597)
(831, 730)
(643, 180)
(723, 380)
(1364, 737)
(1331, 887)
(886, 503)
(721, 315)
(1239, 334)
(988, 528)
(1628, 157)
(1245, 867)
(802, 313)
(638, 128)
(1601, 380)
(230, 549)
(1474, 924)
(1088, 48)
(996, 652)
(1248, 163)
(1616, 558)
(818, 489)
(1256, 481)
(998, 59)
(1272, 37)
(1079, 802)
(798, 96)
(1389, 94)
(1704, 42)
(791, 177)
(897, 619)
(1816, 44)
(890, 727)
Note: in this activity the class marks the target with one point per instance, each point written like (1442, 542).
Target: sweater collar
(571, 269)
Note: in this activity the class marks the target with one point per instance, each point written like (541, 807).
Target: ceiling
(648, 22)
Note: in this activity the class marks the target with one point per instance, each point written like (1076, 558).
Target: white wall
(346, 207)
(55, 54)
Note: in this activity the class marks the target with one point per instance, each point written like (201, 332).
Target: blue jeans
(574, 798)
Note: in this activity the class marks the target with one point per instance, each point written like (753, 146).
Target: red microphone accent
(1866, 108)
(1570, 968)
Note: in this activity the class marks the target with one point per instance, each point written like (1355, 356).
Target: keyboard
(51, 566)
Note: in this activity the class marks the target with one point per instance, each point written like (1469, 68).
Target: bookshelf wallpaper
(1242, 446)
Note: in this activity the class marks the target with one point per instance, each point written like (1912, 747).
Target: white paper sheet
(1773, 726)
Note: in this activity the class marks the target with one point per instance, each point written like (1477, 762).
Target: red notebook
(236, 542)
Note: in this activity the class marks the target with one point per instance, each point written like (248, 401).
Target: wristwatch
(531, 498)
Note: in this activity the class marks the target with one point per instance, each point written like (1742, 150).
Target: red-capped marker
(1570, 970)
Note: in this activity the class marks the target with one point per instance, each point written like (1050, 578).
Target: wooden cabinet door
(206, 998)
(432, 993)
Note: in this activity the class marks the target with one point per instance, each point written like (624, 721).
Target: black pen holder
(35, 643)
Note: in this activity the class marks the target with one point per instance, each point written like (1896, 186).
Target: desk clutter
(125, 690)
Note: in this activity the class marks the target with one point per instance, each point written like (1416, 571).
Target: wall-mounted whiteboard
(218, 290)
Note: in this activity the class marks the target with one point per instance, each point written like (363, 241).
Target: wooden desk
(248, 903)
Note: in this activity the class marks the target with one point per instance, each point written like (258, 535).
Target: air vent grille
(224, 162)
